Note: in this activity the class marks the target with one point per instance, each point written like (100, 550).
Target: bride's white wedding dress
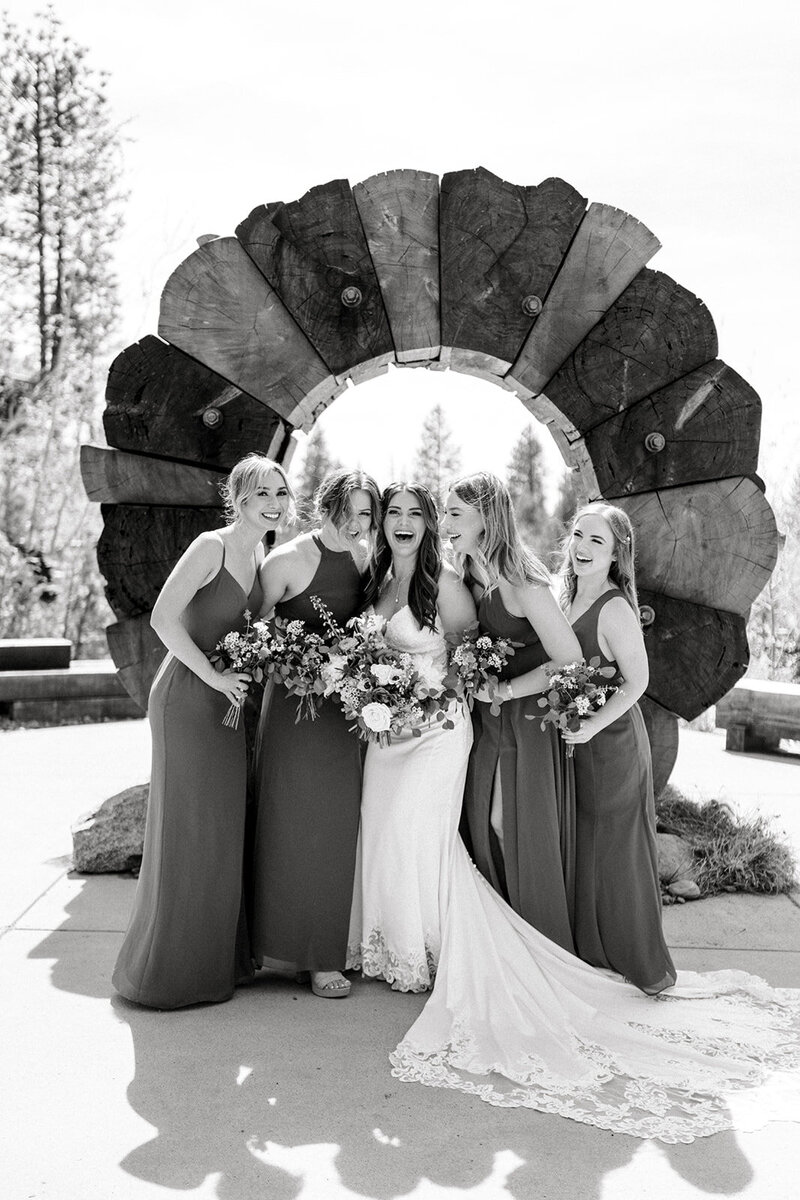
(516, 1020)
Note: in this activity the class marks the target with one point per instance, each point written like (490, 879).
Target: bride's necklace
(400, 582)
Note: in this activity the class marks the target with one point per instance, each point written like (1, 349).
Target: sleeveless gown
(516, 1020)
(534, 871)
(308, 789)
(186, 942)
(411, 799)
(617, 893)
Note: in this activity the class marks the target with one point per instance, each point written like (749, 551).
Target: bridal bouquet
(575, 693)
(246, 652)
(383, 691)
(476, 661)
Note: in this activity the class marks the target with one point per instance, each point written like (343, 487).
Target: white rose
(376, 717)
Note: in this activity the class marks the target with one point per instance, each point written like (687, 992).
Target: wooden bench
(757, 713)
(34, 654)
(87, 688)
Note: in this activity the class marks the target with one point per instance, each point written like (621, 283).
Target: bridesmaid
(308, 773)
(518, 804)
(617, 895)
(181, 945)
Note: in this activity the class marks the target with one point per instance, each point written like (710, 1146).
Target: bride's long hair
(423, 590)
(501, 554)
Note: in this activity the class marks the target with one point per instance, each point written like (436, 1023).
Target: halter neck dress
(534, 870)
(308, 789)
(185, 942)
(617, 893)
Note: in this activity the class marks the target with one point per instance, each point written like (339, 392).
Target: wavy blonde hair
(246, 477)
(501, 554)
(621, 572)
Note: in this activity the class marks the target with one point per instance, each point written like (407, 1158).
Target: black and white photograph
(399, 600)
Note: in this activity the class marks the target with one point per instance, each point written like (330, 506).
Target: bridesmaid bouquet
(383, 691)
(246, 652)
(574, 694)
(297, 657)
(476, 661)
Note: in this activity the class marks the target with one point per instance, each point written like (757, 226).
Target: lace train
(518, 1022)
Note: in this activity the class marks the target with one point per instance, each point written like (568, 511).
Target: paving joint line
(33, 903)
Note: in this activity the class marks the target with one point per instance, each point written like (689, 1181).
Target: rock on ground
(111, 837)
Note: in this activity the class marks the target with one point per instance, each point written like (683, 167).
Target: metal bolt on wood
(655, 442)
(212, 418)
(351, 297)
(532, 306)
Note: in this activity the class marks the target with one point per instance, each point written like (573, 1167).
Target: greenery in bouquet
(383, 691)
(575, 692)
(296, 659)
(475, 663)
(247, 652)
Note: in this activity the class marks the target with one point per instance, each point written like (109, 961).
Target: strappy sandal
(334, 989)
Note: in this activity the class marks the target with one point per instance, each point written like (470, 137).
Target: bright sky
(684, 114)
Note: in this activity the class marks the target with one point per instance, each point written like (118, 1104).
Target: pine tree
(438, 458)
(525, 480)
(318, 463)
(60, 212)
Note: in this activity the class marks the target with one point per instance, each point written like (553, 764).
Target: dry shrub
(734, 854)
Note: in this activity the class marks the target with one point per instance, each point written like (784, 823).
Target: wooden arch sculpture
(527, 287)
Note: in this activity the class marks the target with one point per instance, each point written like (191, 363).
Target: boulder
(112, 836)
(675, 858)
(684, 889)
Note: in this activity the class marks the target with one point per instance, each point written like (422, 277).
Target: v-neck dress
(617, 893)
(308, 791)
(185, 942)
(534, 870)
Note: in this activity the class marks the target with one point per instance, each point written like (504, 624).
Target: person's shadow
(277, 1092)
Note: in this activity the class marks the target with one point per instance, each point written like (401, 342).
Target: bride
(513, 1018)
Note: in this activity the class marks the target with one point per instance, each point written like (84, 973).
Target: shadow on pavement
(277, 1091)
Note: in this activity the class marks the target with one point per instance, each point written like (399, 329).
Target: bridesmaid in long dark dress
(617, 895)
(518, 804)
(308, 773)
(181, 946)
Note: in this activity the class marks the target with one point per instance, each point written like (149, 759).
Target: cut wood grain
(704, 426)
(662, 733)
(113, 476)
(139, 546)
(711, 543)
(137, 653)
(314, 254)
(608, 251)
(655, 333)
(501, 246)
(219, 308)
(399, 213)
(696, 653)
(160, 401)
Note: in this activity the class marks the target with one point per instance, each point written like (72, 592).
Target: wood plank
(609, 250)
(696, 653)
(662, 733)
(711, 543)
(120, 478)
(313, 252)
(704, 426)
(655, 333)
(34, 654)
(501, 246)
(765, 709)
(399, 213)
(139, 546)
(159, 401)
(219, 308)
(137, 652)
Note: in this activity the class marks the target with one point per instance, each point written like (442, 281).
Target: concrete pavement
(278, 1094)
